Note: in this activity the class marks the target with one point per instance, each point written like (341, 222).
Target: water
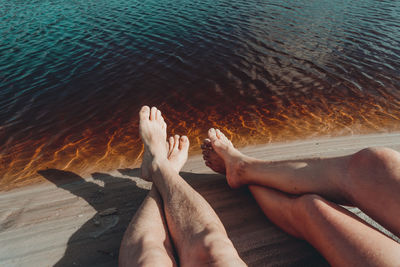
(73, 75)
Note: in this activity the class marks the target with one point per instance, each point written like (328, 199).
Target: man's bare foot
(178, 151)
(153, 131)
(221, 156)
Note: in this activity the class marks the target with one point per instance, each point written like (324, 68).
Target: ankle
(242, 167)
(236, 172)
(158, 162)
(247, 164)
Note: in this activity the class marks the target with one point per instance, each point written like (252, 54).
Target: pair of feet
(218, 152)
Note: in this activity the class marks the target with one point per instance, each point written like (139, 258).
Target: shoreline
(292, 149)
(61, 220)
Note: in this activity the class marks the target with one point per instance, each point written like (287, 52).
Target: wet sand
(72, 221)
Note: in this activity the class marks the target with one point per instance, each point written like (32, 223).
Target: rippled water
(73, 75)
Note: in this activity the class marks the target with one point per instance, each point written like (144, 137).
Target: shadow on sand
(97, 242)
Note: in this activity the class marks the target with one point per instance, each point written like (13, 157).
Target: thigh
(341, 237)
(373, 184)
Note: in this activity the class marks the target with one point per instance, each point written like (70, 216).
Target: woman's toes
(217, 143)
(212, 134)
(218, 133)
(203, 146)
(222, 136)
(206, 144)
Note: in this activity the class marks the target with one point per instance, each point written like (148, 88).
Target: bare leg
(146, 241)
(369, 179)
(197, 232)
(341, 237)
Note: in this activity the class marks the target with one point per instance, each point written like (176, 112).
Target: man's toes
(176, 144)
(158, 115)
(184, 143)
(171, 142)
(144, 113)
(153, 113)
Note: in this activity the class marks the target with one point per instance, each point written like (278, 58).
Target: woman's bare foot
(153, 131)
(211, 158)
(221, 156)
(178, 151)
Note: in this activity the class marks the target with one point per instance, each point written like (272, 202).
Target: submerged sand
(80, 222)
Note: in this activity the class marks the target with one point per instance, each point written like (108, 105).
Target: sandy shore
(72, 221)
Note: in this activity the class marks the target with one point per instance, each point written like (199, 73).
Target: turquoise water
(73, 75)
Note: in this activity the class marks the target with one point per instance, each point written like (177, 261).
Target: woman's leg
(146, 241)
(368, 179)
(340, 236)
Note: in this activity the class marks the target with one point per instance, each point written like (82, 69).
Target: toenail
(144, 109)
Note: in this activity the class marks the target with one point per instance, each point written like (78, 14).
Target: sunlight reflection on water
(74, 75)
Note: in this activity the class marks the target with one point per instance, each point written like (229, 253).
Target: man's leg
(368, 179)
(340, 236)
(146, 241)
(198, 234)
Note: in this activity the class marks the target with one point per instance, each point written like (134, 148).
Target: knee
(144, 253)
(156, 256)
(307, 204)
(212, 247)
(375, 157)
(374, 166)
(304, 210)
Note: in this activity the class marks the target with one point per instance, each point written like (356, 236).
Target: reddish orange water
(120, 146)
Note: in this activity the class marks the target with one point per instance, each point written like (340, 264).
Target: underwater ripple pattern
(73, 75)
